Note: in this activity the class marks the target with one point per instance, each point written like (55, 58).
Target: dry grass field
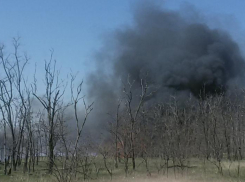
(197, 173)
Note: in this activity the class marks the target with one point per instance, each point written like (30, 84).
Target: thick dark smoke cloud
(181, 57)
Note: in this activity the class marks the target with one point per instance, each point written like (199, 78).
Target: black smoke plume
(181, 57)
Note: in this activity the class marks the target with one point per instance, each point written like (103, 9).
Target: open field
(196, 172)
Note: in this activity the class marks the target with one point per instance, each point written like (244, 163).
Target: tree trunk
(51, 153)
(26, 158)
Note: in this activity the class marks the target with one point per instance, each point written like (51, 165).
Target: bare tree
(73, 159)
(51, 103)
(13, 91)
(114, 130)
(134, 113)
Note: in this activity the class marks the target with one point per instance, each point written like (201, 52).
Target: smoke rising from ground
(181, 57)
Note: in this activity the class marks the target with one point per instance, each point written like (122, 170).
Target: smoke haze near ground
(180, 57)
